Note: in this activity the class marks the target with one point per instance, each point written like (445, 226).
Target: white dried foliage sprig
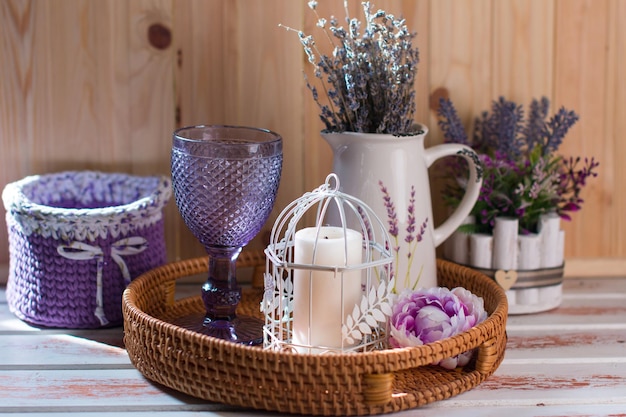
(368, 82)
(370, 314)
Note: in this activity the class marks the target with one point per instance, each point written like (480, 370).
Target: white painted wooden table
(567, 362)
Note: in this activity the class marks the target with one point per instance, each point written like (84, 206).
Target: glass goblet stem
(221, 293)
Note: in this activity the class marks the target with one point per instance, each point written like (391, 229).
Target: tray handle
(488, 355)
(378, 387)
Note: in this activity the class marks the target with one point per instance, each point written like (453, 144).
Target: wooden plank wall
(102, 84)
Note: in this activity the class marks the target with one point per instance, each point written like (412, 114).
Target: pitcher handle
(441, 233)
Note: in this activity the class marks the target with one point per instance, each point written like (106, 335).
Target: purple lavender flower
(392, 217)
(571, 182)
(536, 128)
(499, 130)
(420, 235)
(428, 315)
(450, 124)
(410, 228)
(557, 127)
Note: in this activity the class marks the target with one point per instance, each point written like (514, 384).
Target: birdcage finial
(333, 176)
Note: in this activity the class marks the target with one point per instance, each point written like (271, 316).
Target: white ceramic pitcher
(390, 174)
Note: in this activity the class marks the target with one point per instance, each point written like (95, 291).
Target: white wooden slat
(104, 390)
(10, 324)
(435, 410)
(475, 409)
(449, 409)
(512, 384)
(585, 312)
(566, 346)
(438, 409)
(43, 351)
(527, 384)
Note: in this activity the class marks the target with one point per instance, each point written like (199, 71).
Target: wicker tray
(342, 384)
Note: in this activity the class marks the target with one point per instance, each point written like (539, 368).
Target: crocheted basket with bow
(76, 239)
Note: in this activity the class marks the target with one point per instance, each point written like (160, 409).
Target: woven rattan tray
(338, 384)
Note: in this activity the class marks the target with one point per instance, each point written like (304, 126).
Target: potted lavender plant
(513, 232)
(366, 97)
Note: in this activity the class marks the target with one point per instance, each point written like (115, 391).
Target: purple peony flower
(427, 315)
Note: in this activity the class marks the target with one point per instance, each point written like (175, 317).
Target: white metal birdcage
(327, 286)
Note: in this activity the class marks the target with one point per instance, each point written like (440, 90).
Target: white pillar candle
(320, 296)
(505, 243)
(551, 251)
(480, 250)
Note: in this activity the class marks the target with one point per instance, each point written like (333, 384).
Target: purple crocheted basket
(76, 239)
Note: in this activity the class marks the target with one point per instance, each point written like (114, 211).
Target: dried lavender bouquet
(368, 83)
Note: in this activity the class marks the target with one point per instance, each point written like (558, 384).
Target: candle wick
(325, 237)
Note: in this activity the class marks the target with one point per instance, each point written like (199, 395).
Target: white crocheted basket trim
(137, 202)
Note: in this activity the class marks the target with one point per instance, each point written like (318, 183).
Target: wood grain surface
(102, 85)
(567, 362)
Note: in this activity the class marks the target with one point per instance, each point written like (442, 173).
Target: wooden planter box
(528, 267)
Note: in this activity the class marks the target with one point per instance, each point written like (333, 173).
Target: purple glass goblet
(225, 180)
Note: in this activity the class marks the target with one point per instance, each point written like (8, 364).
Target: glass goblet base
(246, 330)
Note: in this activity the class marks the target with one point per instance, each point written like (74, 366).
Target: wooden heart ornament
(506, 279)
